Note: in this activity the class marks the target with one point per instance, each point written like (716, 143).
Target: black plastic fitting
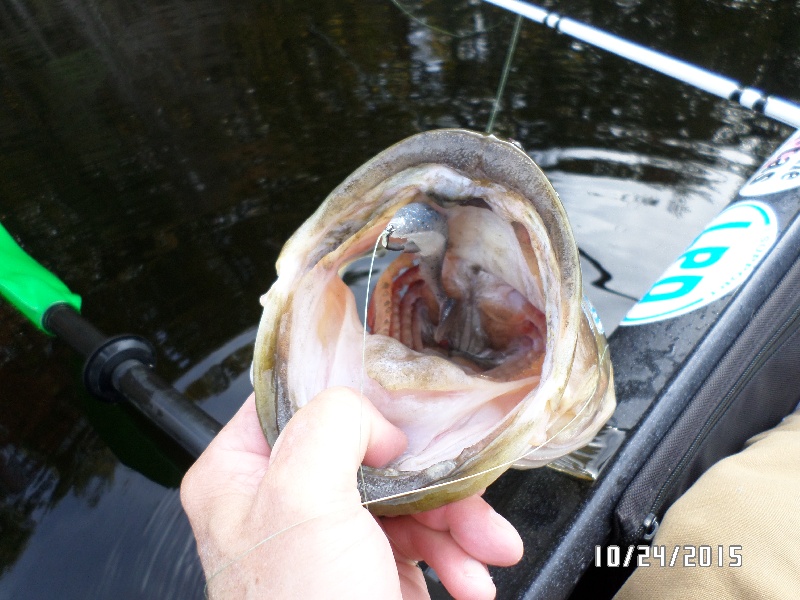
(99, 375)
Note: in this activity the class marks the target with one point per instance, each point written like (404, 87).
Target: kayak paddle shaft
(117, 368)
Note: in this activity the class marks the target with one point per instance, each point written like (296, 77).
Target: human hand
(301, 501)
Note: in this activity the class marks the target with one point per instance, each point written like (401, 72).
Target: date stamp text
(686, 555)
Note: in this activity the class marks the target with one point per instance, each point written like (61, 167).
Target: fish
(481, 345)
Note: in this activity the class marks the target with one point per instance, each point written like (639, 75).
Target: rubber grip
(27, 285)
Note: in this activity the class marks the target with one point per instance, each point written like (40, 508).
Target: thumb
(318, 453)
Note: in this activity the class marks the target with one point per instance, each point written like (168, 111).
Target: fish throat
(457, 328)
(445, 303)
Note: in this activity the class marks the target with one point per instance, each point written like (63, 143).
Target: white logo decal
(715, 264)
(780, 173)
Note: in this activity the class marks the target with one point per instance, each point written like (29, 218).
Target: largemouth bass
(481, 346)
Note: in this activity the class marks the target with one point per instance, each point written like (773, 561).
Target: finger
(412, 581)
(319, 451)
(243, 432)
(238, 456)
(478, 529)
(438, 518)
(464, 577)
(230, 470)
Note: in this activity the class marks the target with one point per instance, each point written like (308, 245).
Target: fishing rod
(117, 368)
(771, 106)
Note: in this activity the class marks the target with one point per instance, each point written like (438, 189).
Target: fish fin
(589, 461)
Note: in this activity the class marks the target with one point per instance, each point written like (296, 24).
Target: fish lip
(478, 155)
(378, 483)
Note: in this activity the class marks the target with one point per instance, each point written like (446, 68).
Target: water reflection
(629, 214)
(157, 154)
(134, 513)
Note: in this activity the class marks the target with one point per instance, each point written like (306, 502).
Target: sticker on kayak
(716, 263)
(780, 173)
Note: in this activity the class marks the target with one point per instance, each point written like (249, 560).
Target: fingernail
(474, 568)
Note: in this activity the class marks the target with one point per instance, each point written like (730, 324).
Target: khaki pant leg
(750, 499)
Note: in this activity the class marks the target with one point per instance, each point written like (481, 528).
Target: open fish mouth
(480, 345)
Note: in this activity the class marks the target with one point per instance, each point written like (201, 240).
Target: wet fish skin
(346, 222)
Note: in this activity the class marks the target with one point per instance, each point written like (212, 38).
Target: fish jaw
(451, 164)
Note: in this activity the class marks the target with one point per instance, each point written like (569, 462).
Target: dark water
(156, 155)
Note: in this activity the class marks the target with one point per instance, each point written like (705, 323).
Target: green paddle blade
(30, 287)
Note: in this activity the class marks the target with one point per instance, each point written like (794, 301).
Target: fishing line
(509, 54)
(490, 469)
(381, 241)
(512, 46)
(459, 36)
(366, 503)
(713, 83)
(496, 467)
(242, 555)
